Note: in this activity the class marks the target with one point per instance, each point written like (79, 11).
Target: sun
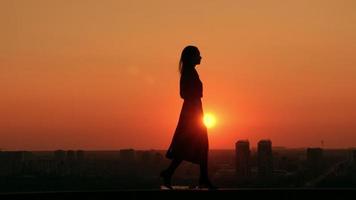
(209, 120)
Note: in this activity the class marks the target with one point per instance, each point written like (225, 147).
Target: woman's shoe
(166, 179)
(207, 184)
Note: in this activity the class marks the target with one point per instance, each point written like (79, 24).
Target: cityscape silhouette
(244, 167)
(157, 99)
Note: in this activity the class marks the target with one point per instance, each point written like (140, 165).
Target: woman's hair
(186, 57)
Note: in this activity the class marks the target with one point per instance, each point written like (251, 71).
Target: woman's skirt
(190, 139)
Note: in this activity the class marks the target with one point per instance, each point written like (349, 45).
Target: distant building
(80, 155)
(127, 155)
(314, 159)
(242, 162)
(14, 156)
(18, 156)
(158, 158)
(45, 166)
(12, 162)
(147, 157)
(128, 168)
(59, 155)
(353, 156)
(70, 155)
(265, 158)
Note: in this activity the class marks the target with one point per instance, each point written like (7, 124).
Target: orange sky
(103, 74)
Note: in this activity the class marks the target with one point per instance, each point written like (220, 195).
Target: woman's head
(190, 57)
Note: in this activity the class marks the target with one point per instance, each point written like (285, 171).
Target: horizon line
(154, 149)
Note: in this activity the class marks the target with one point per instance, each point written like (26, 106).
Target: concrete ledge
(223, 193)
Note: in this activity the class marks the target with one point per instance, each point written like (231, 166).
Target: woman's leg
(204, 171)
(167, 174)
(173, 166)
(204, 180)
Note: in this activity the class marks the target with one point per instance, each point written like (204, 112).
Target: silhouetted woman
(190, 140)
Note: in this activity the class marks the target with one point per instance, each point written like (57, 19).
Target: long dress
(190, 139)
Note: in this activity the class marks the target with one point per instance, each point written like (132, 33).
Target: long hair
(186, 57)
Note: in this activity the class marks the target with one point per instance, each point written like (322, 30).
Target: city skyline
(77, 170)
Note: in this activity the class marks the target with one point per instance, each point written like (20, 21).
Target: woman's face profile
(191, 56)
(197, 58)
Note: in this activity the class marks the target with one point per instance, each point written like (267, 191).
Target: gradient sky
(103, 74)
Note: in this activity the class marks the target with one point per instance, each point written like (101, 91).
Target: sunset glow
(89, 74)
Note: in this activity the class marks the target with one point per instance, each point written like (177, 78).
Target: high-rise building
(242, 161)
(265, 158)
